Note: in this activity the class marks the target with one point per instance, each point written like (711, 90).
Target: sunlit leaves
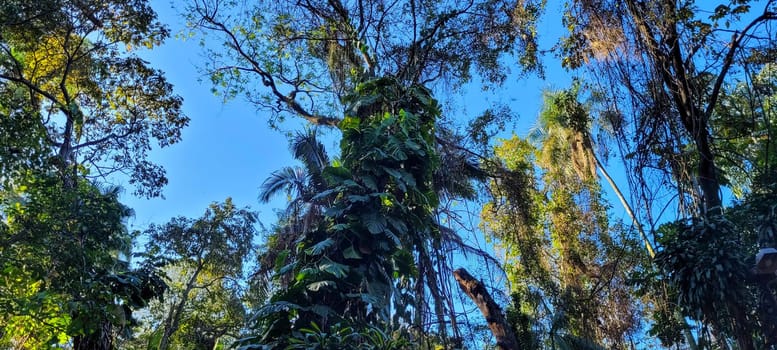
(64, 262)
(99, 107)
(219, 241)
(308, 57)
(209, 255)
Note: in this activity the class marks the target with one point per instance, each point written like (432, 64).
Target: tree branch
(267, 79)
(729, 59)
(475, 290)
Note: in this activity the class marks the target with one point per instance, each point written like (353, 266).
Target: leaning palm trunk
(626, 206)
(686, 328)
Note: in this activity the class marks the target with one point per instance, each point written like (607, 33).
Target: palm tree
(301, 184)
(304, 182)
(564, 132)
(564, 127)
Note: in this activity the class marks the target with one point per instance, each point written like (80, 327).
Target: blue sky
(228, 149)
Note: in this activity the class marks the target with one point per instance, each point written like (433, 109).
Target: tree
(209, 254)
(566, 263)
(305, 210)
(505, 339)
(673, 62)
(77, 104)
(68, 71)
(308, 56)
(65, 266)
(316, 60)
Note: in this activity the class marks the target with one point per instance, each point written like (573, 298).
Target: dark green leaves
(379, 202)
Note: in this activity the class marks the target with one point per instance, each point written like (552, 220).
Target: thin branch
(267, 79)
(729, 60)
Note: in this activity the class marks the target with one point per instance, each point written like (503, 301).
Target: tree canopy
(637, 211)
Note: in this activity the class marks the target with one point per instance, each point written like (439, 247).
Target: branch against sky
(302, 58)
(72, 66)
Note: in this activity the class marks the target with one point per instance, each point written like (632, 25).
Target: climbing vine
(358, 265)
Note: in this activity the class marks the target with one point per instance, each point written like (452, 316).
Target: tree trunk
(686, 329)
(174, 317)
(626, 206)
(475, 290)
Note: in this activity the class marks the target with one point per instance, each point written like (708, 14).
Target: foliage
(548, 214)
(704, 260)
(65, 266)
(344, 270)
(305, 209)
(663, 72)
(743, 125)
(69, 74)
(346, 337)
(309, 56)
(208, 255)
(708, 271)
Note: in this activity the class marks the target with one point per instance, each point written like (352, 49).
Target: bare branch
(736, 40)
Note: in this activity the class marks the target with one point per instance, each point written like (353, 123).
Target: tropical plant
(549, 216)
(208, 255)
(65, 263)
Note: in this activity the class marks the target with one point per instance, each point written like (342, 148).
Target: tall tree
(671, 60)
(209, 253)
(307, 56)
(663, 68)
(68, 70)
(305, 210)
(66, 275)
(77, 104)
(316, 60)
(569, 263)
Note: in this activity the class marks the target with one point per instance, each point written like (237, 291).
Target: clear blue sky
(228, 149)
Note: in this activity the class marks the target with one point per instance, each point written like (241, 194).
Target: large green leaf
(320, 247)
(336, 174)
(316, 286)
(374, 222)
(351, 253)
(336, 269)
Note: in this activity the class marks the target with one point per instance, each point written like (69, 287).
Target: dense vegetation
(675, 98)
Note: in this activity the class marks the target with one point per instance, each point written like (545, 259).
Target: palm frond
(306, 148)
(289, 179)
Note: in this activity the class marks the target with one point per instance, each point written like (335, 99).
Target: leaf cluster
(360, 256)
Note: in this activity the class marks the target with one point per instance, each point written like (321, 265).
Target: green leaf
(399, 225)
(358, 198)
(339, 227)
(308, 271)
(323, 194)
(320, 247)
(280, 260)
(322, 310)
(335, 211)
(285, 269)
(276, 307)
(404, 263)
(351, 253)
(336, 269)
(374, 222)
(336, 175)
(349, 122)
(316, 286)
(369, 181)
